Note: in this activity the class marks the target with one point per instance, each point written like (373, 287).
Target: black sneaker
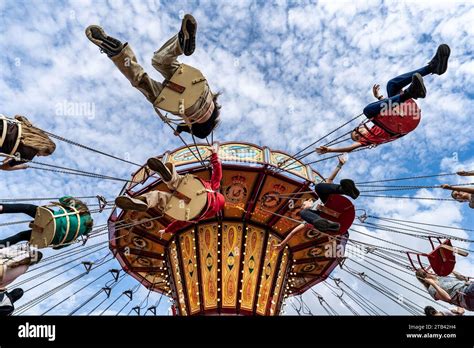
(417, 88)
(349, 188)
(38, 255)
(157, 166)
(107, 44)
(187, 35)
(15, 294)
(439, 63)
(324, 225)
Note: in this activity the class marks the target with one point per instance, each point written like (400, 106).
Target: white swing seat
(188, 201)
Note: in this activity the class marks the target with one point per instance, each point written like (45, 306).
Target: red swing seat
(442, 259)
(400, 121)
(338, 209)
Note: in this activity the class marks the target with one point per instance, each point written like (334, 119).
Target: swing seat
(338, 209)
(188, 201)
(44, 226)
(442, 259)
(182, 91)
(400, 120)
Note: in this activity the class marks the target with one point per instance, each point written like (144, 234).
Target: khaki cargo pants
(159, 199)
(165, 60)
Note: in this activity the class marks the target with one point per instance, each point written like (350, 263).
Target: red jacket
(215, 200)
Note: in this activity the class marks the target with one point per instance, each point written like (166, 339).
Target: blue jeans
(469, 297)
(394, 88)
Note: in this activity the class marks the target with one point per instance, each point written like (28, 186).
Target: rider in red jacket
(215, 199)
(159, 199)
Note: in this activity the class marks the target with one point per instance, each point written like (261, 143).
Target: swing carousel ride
(228, 264)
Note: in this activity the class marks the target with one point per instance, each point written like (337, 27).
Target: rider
(310, 213)
(365, 136)
(19, 138)
(456, 289)
(14, 261)
(67, 228)
(460, 193)
(199, 110)
(159, 199)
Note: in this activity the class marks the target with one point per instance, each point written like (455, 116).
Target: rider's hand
(463, 173)
(376, 91)
(446, 186)
(322, 150)
(342, 159)
(213, 148)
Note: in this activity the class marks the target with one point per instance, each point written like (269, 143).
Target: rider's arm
(9, 167)
(216, 176)
(440, 293)
(291, 234)
(324, 149)
(177, 225)
(336, 170)
(459, 188)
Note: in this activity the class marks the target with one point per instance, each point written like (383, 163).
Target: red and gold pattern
(226, 264)
(208, 239)
(188, 257)
(276, 295)
(266, 282)
(231, 259)
(254, 240)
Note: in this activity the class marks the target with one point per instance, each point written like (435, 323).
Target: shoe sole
(349, 187)
(89, 35)
(158, 166)
(126, 203)
(418, 79)
(189, 24)
(442, 54)
(104, 41)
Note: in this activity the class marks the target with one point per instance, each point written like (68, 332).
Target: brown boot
(129, 203)
(187, 35)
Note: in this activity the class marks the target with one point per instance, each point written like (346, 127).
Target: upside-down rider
(159, 199)
(20, 142)
(309, 209)
(191, 99)
(390, 106)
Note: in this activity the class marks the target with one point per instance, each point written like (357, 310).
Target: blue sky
(289, 73)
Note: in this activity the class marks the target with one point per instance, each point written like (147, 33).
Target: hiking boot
(129, 203)
(349, 188)
(417, 88)
(107, 44)
(439, 63)
(187, 35)
(324, 225)
(157, 166)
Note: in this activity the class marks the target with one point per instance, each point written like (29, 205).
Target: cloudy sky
(289, 72)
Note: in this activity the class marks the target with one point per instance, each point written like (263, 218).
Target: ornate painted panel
(190, 267)
(232, 234)
(269, 268)
(241, 153)
(208, 258)
(254, 246)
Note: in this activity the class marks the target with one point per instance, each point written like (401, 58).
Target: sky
(289, 72)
